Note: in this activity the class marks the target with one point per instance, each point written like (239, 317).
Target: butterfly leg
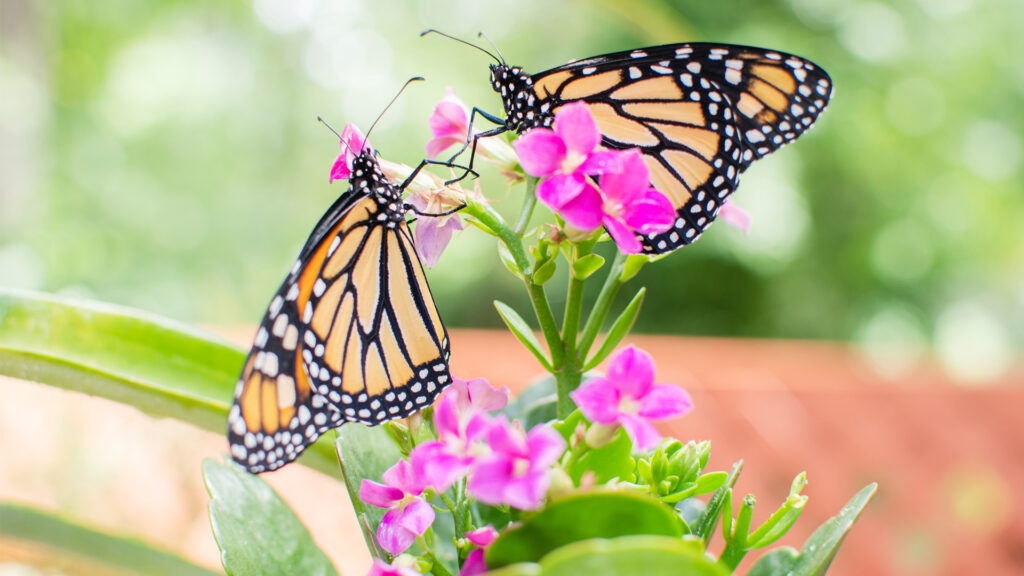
(423, 164)
(472, 138)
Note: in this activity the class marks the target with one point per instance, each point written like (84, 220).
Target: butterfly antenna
(381, 115)
(431, 30)
(493, 45)
(329, 127)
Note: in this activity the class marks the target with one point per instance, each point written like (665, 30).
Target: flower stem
(603, 304)
(528, 204)
(538, 298)
(569, 375)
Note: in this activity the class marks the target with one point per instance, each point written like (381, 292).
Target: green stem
(736, 545)
(603, 304)
(538, 298)
(528, 204)
(569, 375)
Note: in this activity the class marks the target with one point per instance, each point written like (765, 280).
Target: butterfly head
(517, 96)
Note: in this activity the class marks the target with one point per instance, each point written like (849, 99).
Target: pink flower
(517, 471)
(410, 514)
(474, 563)
(352, 143)
(628, 396)
(565, 156)
(449, 123)
(735, 216)
(433, 233)
(631, 206)
(379, 568)
(461, 421)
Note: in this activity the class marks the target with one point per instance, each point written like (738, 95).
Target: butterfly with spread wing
(699, 113)
(352, 335)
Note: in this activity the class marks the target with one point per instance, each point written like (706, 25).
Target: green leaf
(704, 485)
(365, 453)
(545, 272)
(584, 267)
(631, 555)
(582, 517)
(820, 549)
(778, 562)
(164, 368)
(632, 266)
(522, 331)
(536, 401)
(709, 517)
(781, 520)
(521, 569)
(64, 538)
(613, 460)
(622, 325)
(256, 531)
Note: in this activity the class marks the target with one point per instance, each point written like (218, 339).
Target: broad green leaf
(164, 368)
(631, 555)
(64, 538)
(622, 325)
(509, 260)
(778, 562)
(632, 266)
(582, 517)
(820, 549)
(584, 267)
(365, 453)
(522, 331)
(705, 527)
(256, 531)
(545, 272)
(534, 404)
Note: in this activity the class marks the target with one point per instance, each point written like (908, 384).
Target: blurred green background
(165, 155)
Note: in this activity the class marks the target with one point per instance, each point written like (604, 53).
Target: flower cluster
(499, 463)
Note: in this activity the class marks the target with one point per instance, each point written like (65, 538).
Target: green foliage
(159, 366)
(620, 328)
(653, 555)
(62, 538)
(365, 453)
(258, 534)
(582, 516)
(522, 332)
(612, 461)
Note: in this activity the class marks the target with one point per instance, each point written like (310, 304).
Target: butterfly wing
(374, 343)
(276, 412)
(699, 113)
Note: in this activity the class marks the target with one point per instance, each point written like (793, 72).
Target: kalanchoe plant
(478, 484)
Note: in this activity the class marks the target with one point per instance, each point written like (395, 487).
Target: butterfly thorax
(522, 110)
(368, 178)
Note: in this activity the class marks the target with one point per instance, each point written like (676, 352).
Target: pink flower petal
(393, 537)
(544, 446)
(507, 438)
(438, 466)
(527, 492)
(623, 236)
(401, 476)
(379, 568)
(631, 370)
(417, 516)
(642, 432)
(630, 182)
(576, 127)
(340, 169)
(446, 417)
(379, 495)
(735, 216)
(651, 213)
(433, 236)
(439, 144)
(601, 162)
(474, 564)
(665, 401)
(482, 536)
(485, 397)
(459, 390)
(574, 199)
(598, 399)
(477, 427)
(540, 151)
(489, 478)
(450, 120)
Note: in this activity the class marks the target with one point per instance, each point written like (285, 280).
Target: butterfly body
(352, 335)
(699, 113)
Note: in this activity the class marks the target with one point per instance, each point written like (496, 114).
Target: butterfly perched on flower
(352, 335)
(699, 113)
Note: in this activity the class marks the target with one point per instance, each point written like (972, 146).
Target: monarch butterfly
(699, 113)
(352, 335)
